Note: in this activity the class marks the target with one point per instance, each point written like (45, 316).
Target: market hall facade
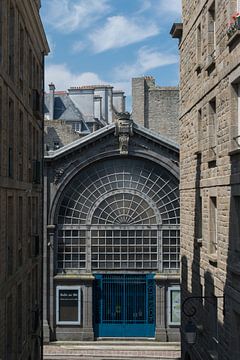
(111, 250)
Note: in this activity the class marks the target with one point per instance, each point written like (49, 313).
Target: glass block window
(171, 250)
(71, 252)
(124, 249)
(129, 209)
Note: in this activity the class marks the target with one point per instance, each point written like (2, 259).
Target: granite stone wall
(155, 107)
(57, 134)
(210, 171)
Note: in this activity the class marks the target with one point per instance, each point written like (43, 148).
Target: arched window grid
(87, 197)
(114, 187)
(125, 208)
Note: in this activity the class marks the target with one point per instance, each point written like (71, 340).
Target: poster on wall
(68, 305)
(175, 301)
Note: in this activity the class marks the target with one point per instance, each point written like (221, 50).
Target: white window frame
(169, 296)
(67, 287)
(238, 5)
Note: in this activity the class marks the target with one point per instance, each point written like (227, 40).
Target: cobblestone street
(112, 351)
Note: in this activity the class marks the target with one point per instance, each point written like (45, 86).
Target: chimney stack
(51, 102)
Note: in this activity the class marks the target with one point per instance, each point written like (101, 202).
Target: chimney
(51, 102)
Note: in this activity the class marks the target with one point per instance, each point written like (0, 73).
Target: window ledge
(213, 259)
(85, 277)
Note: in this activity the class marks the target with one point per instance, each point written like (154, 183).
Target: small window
(198, 216)
(174, 306)
(56, 145)
(68, 305)
(199, 130)
(213, 225)
(212, 29)
(198, 48)
(236, 223)
(212, 130)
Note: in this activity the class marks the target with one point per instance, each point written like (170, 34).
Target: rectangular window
(130, 249)
(21, 56)
(198, 48)
(30, 69)
(212, 130)
(68, 305)
(20, 147)
(198, 217)
(9, 328)
(174, 306)
(171, 250)
(236, 223)
(213, 225)
(19, 318)
(211, 29)
(10, 137)
(11, 42)
(10, 234)
(20, 229)
(1, 30)
(199, 130)
(71, 249)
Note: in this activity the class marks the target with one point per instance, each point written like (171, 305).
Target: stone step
(112, 351)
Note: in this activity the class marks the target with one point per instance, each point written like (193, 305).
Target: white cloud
(63, 79)
(120, 31)
(172, 6)
(70, 15)
(145, 5)
(78, 46)
(147, 59)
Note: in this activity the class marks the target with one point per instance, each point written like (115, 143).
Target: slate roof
(64, 108)
(107, 129)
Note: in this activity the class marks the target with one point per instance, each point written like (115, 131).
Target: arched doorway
(119, 219)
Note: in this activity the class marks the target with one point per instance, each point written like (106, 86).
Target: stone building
(85, 109)
(22, 47)
(111, 249)
(156, 107)
(210, 177)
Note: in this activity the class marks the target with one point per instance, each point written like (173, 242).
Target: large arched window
(125, 212)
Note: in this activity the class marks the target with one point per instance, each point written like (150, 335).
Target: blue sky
(110, 41)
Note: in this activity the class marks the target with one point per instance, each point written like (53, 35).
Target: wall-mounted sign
(174, 303)
(68, 304)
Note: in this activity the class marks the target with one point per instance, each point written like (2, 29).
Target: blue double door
(124, 305)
